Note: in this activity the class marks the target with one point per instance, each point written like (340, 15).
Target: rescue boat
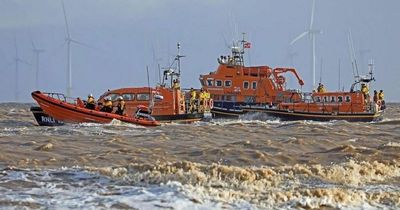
(352, 105)
(57, 106)
(233, 85)
(167, 102)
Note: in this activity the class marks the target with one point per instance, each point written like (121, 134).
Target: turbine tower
(37, 52)
(68, 41)
(312, 33)
(17, 62)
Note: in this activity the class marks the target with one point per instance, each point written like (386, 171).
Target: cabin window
(254, 85)
(210, 82)
(340, 98)
(218, 83)
(142, 97)
(246, 85)
(333, 99)
(113, 96)
(348, 98)
(325, 98)
(228, 83)
(317, 99)
(128, 96)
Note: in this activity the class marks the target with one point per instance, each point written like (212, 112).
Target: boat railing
(326, 106)
(62, 97)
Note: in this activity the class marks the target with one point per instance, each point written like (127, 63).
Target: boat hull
(44, 119)
(180, 118)
(66, 112)
(291, 115)
(226, 113)
(228, 109)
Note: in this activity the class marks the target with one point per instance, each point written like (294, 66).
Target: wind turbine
(37, 52)
(312, 33)
(68, 41)
(17, 62)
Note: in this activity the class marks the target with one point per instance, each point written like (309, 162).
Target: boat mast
(178, 59)
(244, 42)
(174, 73)
(339, 75)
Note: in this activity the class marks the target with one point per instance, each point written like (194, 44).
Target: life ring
(379, 104)
(211, 103)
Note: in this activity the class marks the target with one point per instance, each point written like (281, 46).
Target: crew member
(365, 91)
(321, 88)
(376, 98)
(108, 106)
(202, 99)
(381, 97)
(176, 84)
(192, 100)
(90, 103)
(120, 106)
(207, 97)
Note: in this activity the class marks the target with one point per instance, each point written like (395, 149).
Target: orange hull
(72, 113)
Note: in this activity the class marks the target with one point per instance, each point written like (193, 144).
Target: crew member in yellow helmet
(120, 106)
(90, 103)
(108, 105)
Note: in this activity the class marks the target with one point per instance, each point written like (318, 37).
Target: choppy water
(250, 163)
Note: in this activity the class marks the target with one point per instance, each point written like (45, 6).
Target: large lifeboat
(234, 85)
(57, 106)
(352, 105)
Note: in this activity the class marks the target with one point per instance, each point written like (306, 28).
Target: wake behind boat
(57, 106)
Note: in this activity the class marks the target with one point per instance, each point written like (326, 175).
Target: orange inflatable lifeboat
(57, 106)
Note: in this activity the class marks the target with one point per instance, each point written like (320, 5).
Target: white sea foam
(75, 188)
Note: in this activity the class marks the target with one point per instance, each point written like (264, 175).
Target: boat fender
(368, 108)
(379, 105)
(211, 103)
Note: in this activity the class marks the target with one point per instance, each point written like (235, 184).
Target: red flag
(247, 45)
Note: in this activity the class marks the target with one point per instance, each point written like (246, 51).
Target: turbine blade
(83, 44)
(299, 37)
(312, 15)
(65, 18)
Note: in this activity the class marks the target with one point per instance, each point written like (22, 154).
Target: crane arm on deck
(278, 71)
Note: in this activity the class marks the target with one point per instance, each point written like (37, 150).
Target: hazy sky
(127, 35)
